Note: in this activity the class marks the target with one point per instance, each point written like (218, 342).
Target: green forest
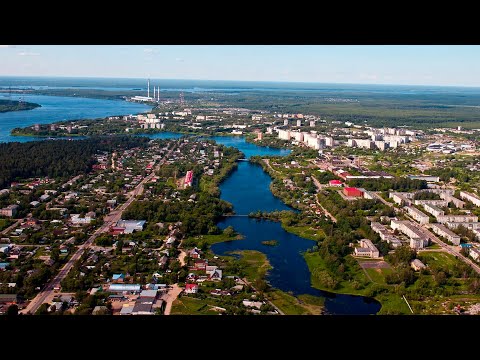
(56, 158)
(13, 105)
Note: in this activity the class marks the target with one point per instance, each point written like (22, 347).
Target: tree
(12, 310)
(229, 231)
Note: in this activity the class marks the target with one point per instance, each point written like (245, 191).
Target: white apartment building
(445, 232)
(470, 197)
(419, 216)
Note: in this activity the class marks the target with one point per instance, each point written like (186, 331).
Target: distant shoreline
(14, 105)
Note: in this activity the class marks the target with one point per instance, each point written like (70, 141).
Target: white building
(418, 239)
(367, 249)
(445, 232)
(457, 218)
(470, 197)
(434, 210)
(474, 253)
(417, 215)
(284, 134)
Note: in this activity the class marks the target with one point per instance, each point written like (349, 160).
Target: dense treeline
(397, 184)
(12, 105)
(58, 158)
(199, 217)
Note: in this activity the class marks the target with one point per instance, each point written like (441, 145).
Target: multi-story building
(419, 216)
(10, 210)
(468, 225)
(367, 249)
(353, 192)
(470, 197)
(418, 239)
(401, 198)
(457, 218)
(284, 134)
(445, 232)
(440, 203)
(434, 210)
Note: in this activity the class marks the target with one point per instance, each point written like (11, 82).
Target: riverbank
(360, 283)
(13, 105)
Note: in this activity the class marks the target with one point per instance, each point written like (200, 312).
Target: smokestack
(154, 92)
(158, 94)
(148, 88)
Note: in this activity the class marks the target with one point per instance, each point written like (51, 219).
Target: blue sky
(380, 64)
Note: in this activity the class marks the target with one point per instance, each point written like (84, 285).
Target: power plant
(156, 94)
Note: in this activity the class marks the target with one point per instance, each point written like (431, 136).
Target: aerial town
(390, 213)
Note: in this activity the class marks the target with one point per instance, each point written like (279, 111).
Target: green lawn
(191, 306)
(378, 275)
(256, 264)
(441, 259)
(209, 239)
(290, 305)
(306, 232)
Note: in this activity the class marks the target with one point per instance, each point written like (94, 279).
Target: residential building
(418, 239)
(445, 232)
(191, 288)
(474, 253)
(400, 198)
(457, 218)
(417, 265)
(427, 178)
(434, 210)
(474, 198)
(419, 216)
(10, 210)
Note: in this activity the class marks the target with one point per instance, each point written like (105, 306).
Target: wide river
(247, 188)
(59, 108)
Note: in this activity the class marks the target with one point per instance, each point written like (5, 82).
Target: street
(109, 220)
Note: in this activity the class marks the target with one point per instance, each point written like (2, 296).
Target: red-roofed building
(335, 183)
(191, 288)
(353, 192)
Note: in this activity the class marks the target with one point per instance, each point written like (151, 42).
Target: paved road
(109, 220)
(319, 187)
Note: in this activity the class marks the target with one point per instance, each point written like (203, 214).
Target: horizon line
(233, 80)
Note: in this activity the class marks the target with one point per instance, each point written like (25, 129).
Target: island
(13, 105)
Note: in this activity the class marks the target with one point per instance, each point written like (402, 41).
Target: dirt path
(181, 257)
(170, 297)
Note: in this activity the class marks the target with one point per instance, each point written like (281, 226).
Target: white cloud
(7, 46)
(28, 53)
(179, 59)
(150, 50)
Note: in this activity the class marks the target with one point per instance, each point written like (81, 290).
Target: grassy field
(256, 264)
(378, 275)
(291, 305)
(191, 306)
(306, 232)
(210, 239)
(441, 259)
